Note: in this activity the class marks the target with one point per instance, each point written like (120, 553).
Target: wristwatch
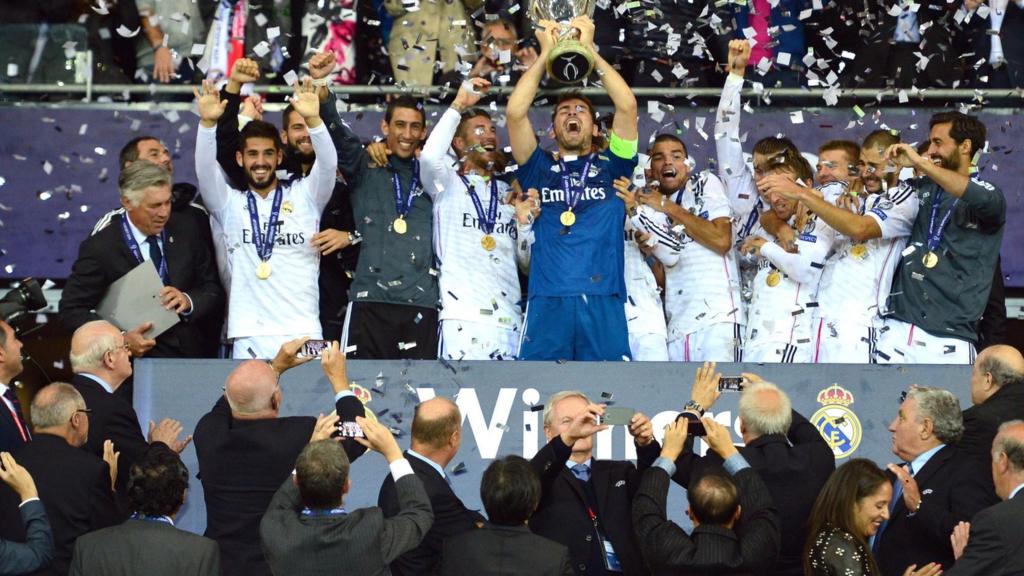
(695, 406)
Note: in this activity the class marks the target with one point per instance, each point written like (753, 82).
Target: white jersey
(785, 287)
(857, 278)
(288, 301)
(476, 285)
(645, 313)
(736, 175)
(702, 287)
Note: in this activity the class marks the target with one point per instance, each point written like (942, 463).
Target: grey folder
(135, 299)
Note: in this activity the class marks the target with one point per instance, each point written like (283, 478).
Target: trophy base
(570, 62)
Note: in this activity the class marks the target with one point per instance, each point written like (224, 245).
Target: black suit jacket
(18, 558)
(74, 487)
(112, 418)
(562, 513)
(504, 551)
(10, 436)
(953, 489)
(982, 421)
(143, 547)
(980, 42)
(793, 467)
(104, 258)
(242, 463)
(750, 547)
(996, 543)
(451, 518)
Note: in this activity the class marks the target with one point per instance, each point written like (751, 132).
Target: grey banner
(851, 404)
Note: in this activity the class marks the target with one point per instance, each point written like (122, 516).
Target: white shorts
(264, 347)
(648, 347)
(721, 342)
(838, 342)
(772, 352)
(903, 343)
(467, 340)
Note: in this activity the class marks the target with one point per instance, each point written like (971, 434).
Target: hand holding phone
(731, 384)
(313, 348)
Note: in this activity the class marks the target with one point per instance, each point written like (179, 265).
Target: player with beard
(577, 286)
(702, 289)
(944, 278)
(779, 318)
(476, 232)
(872, 230)
(274, 296)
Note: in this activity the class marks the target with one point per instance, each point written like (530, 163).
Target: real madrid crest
(837, 423)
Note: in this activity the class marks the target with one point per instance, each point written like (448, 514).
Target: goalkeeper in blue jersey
(577, 287)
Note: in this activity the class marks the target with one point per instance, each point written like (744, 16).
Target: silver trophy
(570, 62)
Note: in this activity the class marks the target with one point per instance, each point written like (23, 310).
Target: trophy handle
(570, 62)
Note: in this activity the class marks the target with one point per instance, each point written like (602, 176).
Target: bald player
(997, 395)
(246, 449)
(436, 437)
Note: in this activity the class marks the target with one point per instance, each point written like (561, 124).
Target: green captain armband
(625, 149)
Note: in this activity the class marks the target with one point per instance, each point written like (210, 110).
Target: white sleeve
(731, 167)
(213, 187)
(659, 226)
(323, 175)
(806, 265)
(524, 245)
(435, 162)
(716, 203)
(896, 211)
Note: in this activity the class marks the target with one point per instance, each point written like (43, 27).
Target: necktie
(582, 472)
(897, 494)
(19, 419)
(155, 255)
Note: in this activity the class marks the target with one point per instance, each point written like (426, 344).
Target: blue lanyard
(402, 208)
(145, 518)
(573, 195)
(935, 233)
(133, 246)
(264, 244)
(487, 221)
(332, 512)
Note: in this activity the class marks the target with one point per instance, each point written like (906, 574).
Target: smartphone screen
(313, 348)
(734, 384)
(350, 430)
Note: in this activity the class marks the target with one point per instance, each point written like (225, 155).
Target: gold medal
(773, 279)
(488, 242)
(567, 218)
(287, 207)
(263, 270)
(930, 259)
(859, 251)
(399, 225)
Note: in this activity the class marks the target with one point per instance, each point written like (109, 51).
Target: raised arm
(436, 169)
(346, 404)
(731, 166)
(520, 130)
(321, 178)
(245, 71)
(212, 185)
(625, 122)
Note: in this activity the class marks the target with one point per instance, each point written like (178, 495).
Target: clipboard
(135, 299)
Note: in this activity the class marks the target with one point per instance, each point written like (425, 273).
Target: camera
(18, 305)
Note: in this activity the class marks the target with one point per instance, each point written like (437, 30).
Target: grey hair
(56, 408)
(558, 397)
(137, 177)
(92, 357)
(1012, 447)
(1002, 373)
(760, 420)
(943, 408)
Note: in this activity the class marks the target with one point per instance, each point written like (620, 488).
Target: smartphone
(314, 348)
(616, 416)
(695, 428)
(350, 430)
(734, 384)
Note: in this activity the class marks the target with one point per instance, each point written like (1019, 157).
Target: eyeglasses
(83, 410)
(903, 396)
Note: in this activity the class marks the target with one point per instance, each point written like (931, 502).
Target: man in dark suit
(586, 503)
(997, 392)
(245, 450)
(436, 437)
(101, 363)
(14, 430)
(735, 529)
(148, 543)
(147, 233)
(1003, 62)
(37, 551)
(780, 445)
(995, 546)
(936, 488)
(75, 486)
(505, 546)
(307, 529)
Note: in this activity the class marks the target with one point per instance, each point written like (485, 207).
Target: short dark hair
(793, 162)
(510, 491)
(285, 114)
(714, 499)
(403, 101)
(773, 145)
(435, 432)
(321, 471)
(963, 127)
(668, 138)
(3, 333)
(574, 95)
(881, 138)
(259, 129)
(130, 151)
(848, 147)
(157, 482)
(468, 115)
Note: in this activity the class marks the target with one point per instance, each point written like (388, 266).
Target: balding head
(58, 409)
(437, 429)
(764, 409)
(1008, 458)
(252, 390)
(995, 367)
(98, 348)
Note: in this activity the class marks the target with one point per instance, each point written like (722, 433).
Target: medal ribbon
(133, 246)
(402, 208)
(265, 244)
(572, 196)
(331, 512)
(486, 222)
(145, 518)
(935, 234)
